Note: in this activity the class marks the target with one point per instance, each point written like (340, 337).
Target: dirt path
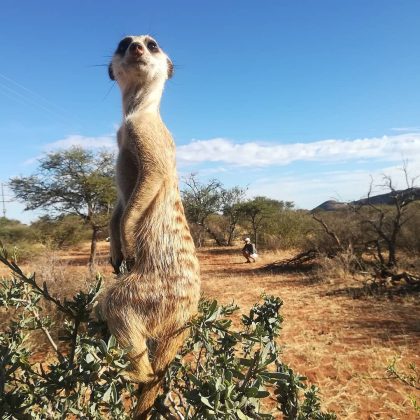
(342, 344)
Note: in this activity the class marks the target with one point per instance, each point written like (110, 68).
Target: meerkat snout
(139, 59)
(136, 49)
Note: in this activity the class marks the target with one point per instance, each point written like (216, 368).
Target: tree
(232, 200)
(200, 201)
(386, 221)
(74, 181)
(260, 211)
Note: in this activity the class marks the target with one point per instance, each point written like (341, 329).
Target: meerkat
(148, 306)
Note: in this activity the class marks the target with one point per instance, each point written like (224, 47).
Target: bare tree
(386, 221)
(231, 208)
(201, 201)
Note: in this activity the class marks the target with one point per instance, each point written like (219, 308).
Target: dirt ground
(341, 344)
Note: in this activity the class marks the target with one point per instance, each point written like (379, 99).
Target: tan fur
(147, 309)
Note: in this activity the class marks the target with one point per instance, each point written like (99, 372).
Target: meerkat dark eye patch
(152, 46)
(123, 45)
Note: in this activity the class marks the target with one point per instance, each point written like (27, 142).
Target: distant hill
(329, 205)
(383, 199)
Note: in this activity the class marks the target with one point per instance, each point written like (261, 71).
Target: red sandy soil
(341, 344)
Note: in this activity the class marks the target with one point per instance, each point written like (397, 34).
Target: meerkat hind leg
(141, 369)
(165, 353)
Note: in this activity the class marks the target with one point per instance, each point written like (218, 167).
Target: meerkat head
(139, 60)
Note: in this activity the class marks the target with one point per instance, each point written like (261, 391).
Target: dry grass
(341, 344)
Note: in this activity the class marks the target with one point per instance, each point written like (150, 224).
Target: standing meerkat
(148, 307)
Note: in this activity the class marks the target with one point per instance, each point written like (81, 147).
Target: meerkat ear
(110, 72)
(170, 68)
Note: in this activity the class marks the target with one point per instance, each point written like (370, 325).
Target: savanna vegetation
(56, 361)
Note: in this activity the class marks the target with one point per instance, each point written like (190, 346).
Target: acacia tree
(74, 181)
(261, 211)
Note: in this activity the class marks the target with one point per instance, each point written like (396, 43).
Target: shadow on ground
(364, 291)
(224, 251)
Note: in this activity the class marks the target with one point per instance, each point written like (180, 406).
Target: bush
(290, 229)
(219, 372)
(22, 236)
(13, 231)
(62, 231)
(409, 240)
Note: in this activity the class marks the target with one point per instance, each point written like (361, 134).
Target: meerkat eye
(123, 45)
(152, 46)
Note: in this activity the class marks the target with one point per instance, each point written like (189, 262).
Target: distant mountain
(329, 205)
(388, 197)
(383, 199)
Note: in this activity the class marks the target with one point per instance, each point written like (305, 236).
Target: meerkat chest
(149, 139)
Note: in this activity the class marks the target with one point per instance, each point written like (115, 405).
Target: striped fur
(147, 308)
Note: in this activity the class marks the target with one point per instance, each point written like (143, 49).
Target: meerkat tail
(166, 351)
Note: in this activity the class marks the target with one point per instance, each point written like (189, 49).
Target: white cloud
(389, 148)
(308, 190)
(258, 154)
(72, 140)
(107, 141)
(253, 164)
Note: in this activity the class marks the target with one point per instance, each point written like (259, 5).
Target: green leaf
(206, 402)
(194, 379)
(112, 342)
(107, 396)
(89, 358)
(103, 346)
(114, 392)
(75, 411)
(246, 362)
(241, 415)
(251, 392)
(262, 394)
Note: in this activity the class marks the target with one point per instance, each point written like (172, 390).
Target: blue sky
(299, 100)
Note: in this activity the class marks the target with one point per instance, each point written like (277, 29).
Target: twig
(328, 231)
(74, 341)
(198, 365)
(250, 370)
(32, 282)
(174, 405)
(35, 314)
(48, 335)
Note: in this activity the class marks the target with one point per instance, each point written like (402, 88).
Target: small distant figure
(249, 251)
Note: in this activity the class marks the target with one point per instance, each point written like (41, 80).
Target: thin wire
(37, 95)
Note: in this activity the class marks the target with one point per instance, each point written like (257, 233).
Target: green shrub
(408, 375)
(23, 237)
(220, 373)
(13, 231)
(62, 231)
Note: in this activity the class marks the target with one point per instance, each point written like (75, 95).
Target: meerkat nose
(136, 49)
